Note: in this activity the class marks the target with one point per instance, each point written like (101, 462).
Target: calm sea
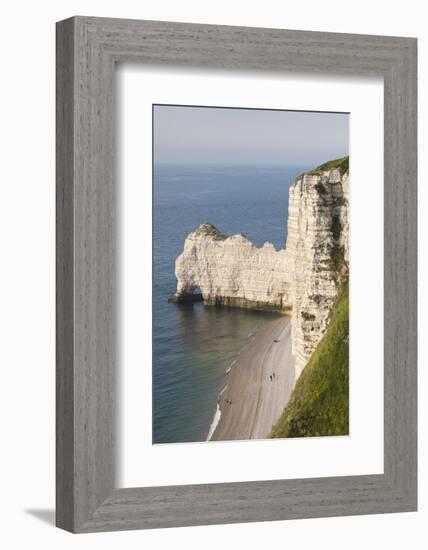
(194, 345)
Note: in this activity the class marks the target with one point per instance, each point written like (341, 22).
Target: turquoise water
(194, 345)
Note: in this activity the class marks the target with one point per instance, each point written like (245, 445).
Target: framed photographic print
(236, 274)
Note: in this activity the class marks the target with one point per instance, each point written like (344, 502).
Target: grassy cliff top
(319, 404)
(341, 164)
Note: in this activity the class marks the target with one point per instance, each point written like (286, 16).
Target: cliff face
(302, 279)
(317, 254)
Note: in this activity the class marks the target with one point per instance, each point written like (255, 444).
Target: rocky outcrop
(302, 279)
(232, 271)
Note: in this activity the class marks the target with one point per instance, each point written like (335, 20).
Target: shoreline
(258, 386)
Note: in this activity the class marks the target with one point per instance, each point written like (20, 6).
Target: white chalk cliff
(317, 253)
(301, 280)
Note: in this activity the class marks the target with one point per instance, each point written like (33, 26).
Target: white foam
(252, 333)
(229, 368)
(215, 421)
(217, 415)
(222, 392)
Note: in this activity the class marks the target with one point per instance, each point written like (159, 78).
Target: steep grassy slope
(319, 402)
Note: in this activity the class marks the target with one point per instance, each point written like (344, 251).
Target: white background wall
(27, 272)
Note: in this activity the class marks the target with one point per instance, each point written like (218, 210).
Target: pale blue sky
(248, 136)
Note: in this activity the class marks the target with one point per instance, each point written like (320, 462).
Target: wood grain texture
(87, 49)
(64, 276)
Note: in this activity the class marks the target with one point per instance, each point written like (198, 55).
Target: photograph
(211, 311)
(250, 274)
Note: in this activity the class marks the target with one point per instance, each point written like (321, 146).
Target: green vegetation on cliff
(319, 404)
(210, 230)
(342, 164)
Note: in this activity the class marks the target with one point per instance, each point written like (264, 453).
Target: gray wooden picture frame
(87, 50)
